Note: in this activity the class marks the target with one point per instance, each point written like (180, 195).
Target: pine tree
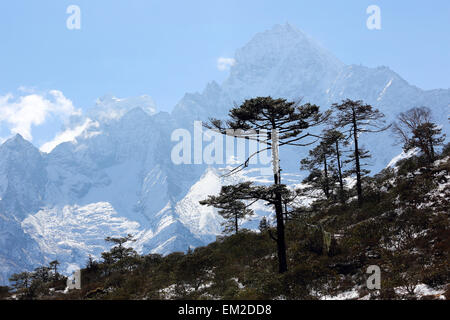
(337, 139)
(320, 166)
(427, 137)
(21, 280)
(91, 264)
(263, 225)
(231, 210)
(356, 118)
(54, 265)
(42, 274)
(284, 122)
(325, 165)
(415, 129)
(119, 251)
(119, 255)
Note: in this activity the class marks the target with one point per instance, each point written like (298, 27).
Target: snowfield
(72, 233)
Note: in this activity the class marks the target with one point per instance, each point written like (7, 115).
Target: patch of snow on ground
(348, 295)
(423, 290)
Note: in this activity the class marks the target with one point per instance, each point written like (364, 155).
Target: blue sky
(166, 48)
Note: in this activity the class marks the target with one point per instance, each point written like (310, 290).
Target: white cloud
(24, 112)
(224, 64)
(69, 135)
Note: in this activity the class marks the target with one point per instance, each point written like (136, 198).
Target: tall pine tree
(285, 122)
(355, 118)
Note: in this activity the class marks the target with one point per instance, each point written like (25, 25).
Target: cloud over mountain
(23, 113)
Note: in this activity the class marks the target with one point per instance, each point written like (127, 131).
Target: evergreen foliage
(356, 118)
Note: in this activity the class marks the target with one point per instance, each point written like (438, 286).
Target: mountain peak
(284, 56)
(18, 137)
(135, 114)
(286, 29)
(110, 107)
(282, 40)
(17, 140)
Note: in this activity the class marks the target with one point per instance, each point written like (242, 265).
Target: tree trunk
(341, 182)
(325, 170)
(431, 149)
(357, 164)
(281, 242)
(236, 225)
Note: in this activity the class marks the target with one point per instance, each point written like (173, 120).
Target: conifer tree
(415, 129)
(319, 164)
(119, 254)
(427, 137)
(263, 225)
(42, 274)
(54, 266)
(337, 139)
(356, 118)
(231, 210)
(285, 123)
(325, 164)
(21, 280)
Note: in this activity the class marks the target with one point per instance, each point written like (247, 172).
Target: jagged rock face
(22, 177)
(22, 184)
(118, 177)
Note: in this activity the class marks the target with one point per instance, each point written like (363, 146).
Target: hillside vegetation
(402, 227)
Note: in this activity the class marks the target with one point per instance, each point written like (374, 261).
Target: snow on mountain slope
(202, 220)
(109, 107)
(282, 62)
(71, 233)
(117, 176)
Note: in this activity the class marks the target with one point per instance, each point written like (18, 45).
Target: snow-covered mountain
(117, 176)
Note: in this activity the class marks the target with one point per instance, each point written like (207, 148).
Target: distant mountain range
(118, 176)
